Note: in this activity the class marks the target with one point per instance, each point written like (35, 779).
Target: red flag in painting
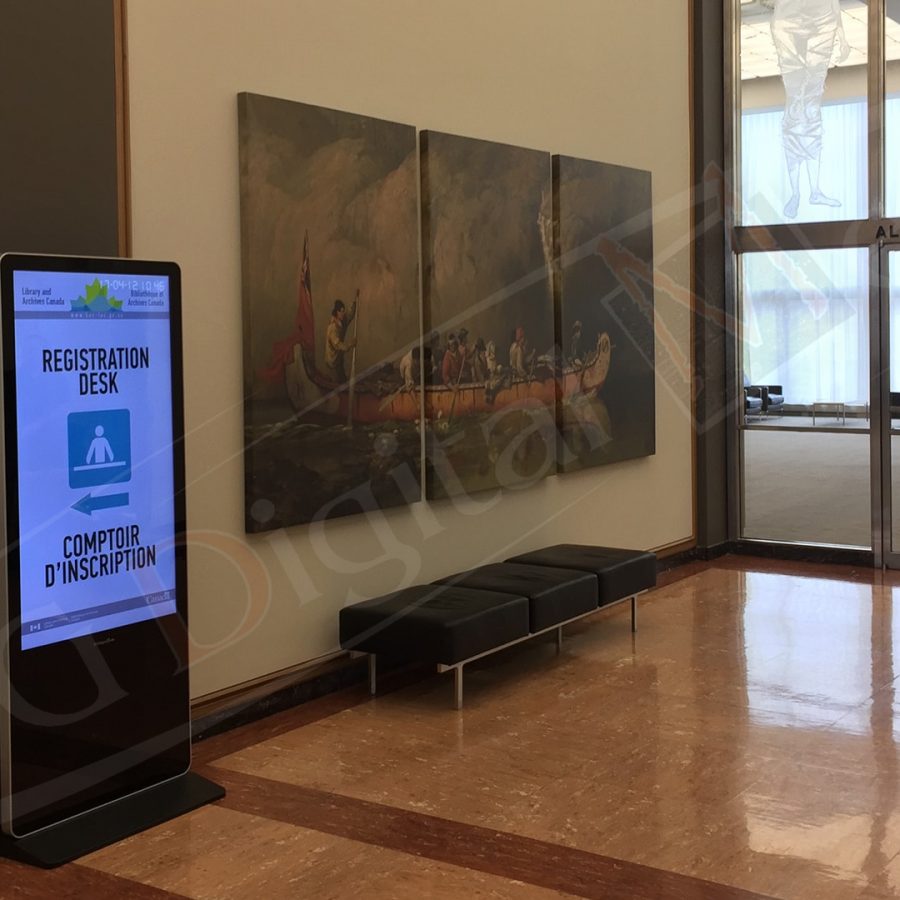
(304, 331)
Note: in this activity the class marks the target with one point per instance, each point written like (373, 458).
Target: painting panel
(329, 243)
(488, 358)
(604, 307)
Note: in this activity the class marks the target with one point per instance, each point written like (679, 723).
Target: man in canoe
(451, 365)
(521, 359)
(336, 341)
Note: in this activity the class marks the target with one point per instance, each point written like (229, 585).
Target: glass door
(805, 423)
(809, 136)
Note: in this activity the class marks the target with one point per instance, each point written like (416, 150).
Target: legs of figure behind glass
(804, 32)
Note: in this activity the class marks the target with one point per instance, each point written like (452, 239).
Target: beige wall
(603, 80)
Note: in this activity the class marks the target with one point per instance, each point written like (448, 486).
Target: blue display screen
(94, 445)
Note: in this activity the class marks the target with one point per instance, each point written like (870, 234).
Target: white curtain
(895, 320)
(806, 323)
(806, 314)
(843, 175)
(892, 156)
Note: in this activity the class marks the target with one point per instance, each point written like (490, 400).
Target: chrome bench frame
(457, 668)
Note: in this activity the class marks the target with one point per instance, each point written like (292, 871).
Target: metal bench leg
(634, 613)
(458, 687)
(559, 640)
(372, 674)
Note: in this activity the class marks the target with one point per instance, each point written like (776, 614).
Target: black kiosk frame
(95, 739)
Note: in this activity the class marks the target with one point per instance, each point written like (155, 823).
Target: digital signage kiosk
(95, 699)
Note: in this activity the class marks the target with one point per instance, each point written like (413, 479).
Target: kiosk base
(112, 822)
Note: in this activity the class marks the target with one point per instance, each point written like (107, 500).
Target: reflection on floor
(743, 744)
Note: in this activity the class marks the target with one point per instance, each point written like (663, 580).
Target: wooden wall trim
(123, 159)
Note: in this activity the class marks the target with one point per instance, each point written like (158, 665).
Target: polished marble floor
(745, 743)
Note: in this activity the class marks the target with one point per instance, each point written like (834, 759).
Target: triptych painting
(533, 350)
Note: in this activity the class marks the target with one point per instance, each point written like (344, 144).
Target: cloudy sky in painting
(486, 211)
(350, 181)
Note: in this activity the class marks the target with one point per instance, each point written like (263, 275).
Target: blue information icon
(99, 448)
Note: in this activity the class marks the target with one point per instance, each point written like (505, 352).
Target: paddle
(462, 366)
(353, 364)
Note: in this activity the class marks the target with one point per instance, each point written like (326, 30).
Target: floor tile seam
(734, 562)
(717, 702)
(722, 737)
(720, 702)
(668, 731)
(836, 708)
(101, 884)
(744, 795)
(888, 683)
(760, 756)
(835, 578)
(568, 862)
(887, 864)
(818, 768)
(854, 709)
(665, 729)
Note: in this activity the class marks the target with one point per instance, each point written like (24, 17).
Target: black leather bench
(433, 623)
(554, 594)
(472, 614)
(621, 574)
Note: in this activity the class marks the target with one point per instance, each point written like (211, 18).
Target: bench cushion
(620, 573)
(554, 595)
(434, 623)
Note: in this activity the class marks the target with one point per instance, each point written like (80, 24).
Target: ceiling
(758, 58)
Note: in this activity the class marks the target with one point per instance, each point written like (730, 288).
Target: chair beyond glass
(773, 399)
(752, 404)
(761, 399)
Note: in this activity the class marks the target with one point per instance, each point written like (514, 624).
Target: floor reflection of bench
(834, 408)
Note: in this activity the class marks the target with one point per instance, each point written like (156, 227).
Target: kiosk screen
(94, 705)
(93, 387)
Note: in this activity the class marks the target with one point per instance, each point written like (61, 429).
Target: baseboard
(263, 697)
(812, 553)
(694, 554)
(845, 556)
(667, 551)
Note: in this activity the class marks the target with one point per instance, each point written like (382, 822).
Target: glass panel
(806, 325)
(807, 486)
(805, 366)
(803, 110)
(892, 108)
(894, 398)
